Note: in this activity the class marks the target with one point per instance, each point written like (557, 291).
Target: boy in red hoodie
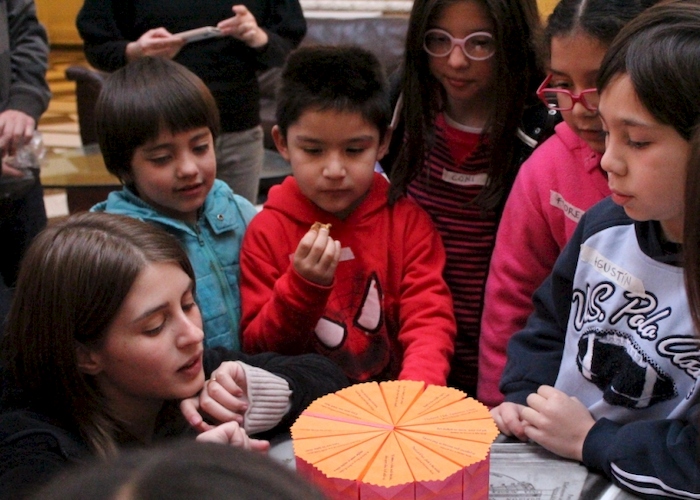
(371, 296)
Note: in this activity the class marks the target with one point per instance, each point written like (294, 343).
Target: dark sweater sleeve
(534, 353)
(309, 376)
(104, 42)
(29, 52)
(29, 464)
(32, 452)
(652, 459)
(285, 25)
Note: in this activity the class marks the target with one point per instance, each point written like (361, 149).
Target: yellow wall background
(58, 17)
(546, 7)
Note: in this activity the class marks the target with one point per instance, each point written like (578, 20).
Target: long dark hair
(72, 282)
(517, 75)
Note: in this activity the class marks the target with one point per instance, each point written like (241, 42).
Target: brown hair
(517, 75)
(691, 230)
(72, 282)
(660, 52)
(144, 98)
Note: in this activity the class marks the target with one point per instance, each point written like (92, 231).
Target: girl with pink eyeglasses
(558, 183)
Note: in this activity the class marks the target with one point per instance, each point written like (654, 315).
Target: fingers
(509, 421)
(220, 404)
(16, 128)
(317, 256)
(259, 445)
(190, 410)
(157, 42)
(231, 376)
(233, 434)
(9, 171)
(243, 26)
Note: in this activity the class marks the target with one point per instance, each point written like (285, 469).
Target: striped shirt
(454, 174)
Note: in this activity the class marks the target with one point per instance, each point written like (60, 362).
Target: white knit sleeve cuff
(268, 399)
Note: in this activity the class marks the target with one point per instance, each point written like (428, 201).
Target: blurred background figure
(184, 470)
(24, 96)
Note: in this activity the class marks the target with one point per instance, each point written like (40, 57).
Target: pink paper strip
(347, 420)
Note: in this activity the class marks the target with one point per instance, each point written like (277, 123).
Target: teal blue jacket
(213, 245)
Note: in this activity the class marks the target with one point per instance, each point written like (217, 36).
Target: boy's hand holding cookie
(317, 255)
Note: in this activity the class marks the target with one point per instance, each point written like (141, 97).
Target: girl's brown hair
(72, 282)
(517, 75)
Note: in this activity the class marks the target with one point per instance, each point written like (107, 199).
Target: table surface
(79, 167)
(519, 471)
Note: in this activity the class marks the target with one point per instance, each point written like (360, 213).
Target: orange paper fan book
(396, 440)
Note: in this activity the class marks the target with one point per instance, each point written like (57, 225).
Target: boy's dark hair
(602, 20)
(144, 98)
(340, 78)
(660, 52)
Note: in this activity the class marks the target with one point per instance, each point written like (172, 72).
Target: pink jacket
(555, 186)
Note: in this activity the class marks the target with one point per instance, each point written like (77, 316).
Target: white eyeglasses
(477, 46)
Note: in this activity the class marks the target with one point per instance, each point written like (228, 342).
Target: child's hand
(557, 421)
(508, 418)
(244, 27)
(317, 256)
(157, 42)
(223, 398)
(231, 433)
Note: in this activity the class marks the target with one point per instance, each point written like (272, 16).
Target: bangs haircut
(660, 52)
(144, 98)
(339, 78)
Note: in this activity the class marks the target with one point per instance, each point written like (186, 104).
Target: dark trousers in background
(21, 219)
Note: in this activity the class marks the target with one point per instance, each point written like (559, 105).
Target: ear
(384, 144)
(280, 142)
(88, 360)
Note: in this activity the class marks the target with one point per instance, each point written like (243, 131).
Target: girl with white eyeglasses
(558, 183)
(467, 118)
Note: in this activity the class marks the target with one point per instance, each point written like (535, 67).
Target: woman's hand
(508, 418)
(16, 129)
(557, 422)
(233, 434)
(243, 26)
(157, 42)
(223, 398)
(317, 257)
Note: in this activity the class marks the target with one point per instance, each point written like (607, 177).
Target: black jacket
(34, 447)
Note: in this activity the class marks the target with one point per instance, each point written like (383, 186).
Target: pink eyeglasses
(563, 100)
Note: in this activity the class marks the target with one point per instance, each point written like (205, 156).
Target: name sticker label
(572, 212)
(611, 270)
(461, 179)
